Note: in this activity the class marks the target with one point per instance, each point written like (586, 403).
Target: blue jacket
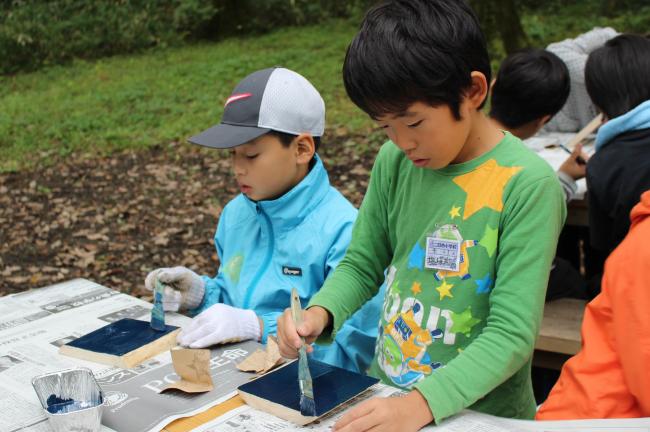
(635, 119)
(268, 247)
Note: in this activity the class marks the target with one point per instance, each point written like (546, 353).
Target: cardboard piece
(124, 343)
(263, 361)
(193, 367)
(278, 392)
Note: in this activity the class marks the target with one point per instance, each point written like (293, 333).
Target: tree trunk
(609, 6)
(509, 25)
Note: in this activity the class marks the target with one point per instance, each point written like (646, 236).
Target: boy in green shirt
(464, 217)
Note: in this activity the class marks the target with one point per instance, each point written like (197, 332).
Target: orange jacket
(610, 376)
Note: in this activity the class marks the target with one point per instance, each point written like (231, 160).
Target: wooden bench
(559, 337)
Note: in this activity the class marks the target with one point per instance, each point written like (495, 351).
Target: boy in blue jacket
(288, 228)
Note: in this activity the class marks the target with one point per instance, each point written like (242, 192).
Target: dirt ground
(113, 219)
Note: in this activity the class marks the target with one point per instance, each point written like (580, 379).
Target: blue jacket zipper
(267, 259)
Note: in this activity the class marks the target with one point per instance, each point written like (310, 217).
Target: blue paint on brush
(332, 386)
(158, 313)
(120, 337)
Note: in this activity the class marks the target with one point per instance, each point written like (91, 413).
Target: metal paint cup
(71, 398)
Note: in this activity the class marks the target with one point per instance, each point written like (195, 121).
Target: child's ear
(305, 148)
(478, 89)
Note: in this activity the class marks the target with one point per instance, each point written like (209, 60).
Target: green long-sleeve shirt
(468, 250)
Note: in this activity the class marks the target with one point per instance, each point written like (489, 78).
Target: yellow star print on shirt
(484, 186)
(445, 290)
(416, 288)
(454, 212)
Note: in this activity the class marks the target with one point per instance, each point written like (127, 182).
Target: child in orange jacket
(610, 376)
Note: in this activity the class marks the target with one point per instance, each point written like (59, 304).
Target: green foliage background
(34, 33)
(128, 74)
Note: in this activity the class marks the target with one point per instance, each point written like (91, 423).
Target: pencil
(579, 159)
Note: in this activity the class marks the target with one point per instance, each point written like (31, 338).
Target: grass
(165, 95)
(161, 96)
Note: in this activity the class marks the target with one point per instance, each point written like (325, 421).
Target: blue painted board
(120, 337)
(332, 386)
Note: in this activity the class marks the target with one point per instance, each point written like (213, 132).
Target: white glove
(184, 289)
(220, 323)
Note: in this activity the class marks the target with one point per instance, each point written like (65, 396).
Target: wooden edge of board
(128, 360)
(276, 409)
(82, 354)
(149, 350)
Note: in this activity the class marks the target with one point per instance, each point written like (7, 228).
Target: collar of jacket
(635, 119)
(641, 210)
(290, 209)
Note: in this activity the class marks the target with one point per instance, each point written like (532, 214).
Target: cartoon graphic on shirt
(233, 267)
(484, 186)
(402, 348)
(451, 232)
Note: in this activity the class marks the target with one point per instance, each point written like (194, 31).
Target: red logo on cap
(237, 97)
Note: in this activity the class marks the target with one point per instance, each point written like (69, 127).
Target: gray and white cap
(270, 99)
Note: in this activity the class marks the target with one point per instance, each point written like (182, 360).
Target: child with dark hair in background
(609, 377)
(530, 88)
(464, 217)
(617, 79)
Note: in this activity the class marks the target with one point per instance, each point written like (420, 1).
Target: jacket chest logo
(291, 271)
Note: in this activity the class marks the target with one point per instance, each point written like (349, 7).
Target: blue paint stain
(59, 405)
(332, 386)
(416, 257)
(120, 337)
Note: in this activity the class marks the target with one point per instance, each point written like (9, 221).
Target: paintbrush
(307, 404)
(158, 313)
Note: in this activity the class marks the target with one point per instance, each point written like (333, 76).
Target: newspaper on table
(34, 324)
(247, 419)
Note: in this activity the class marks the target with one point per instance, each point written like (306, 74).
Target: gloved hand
(220, 323)
(184, 289)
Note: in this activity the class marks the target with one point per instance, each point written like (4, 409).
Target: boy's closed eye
(416, 124)
(251, 155)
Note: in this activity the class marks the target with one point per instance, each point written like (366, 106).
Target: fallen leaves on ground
(114, 219)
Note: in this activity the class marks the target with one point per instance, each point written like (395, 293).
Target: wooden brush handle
(580, 136)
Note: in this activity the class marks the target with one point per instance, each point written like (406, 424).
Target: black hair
(409, 51)
(530, 84)
(286, 138)
(617, 74)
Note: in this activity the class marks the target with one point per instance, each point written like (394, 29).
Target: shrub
(34, 33)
